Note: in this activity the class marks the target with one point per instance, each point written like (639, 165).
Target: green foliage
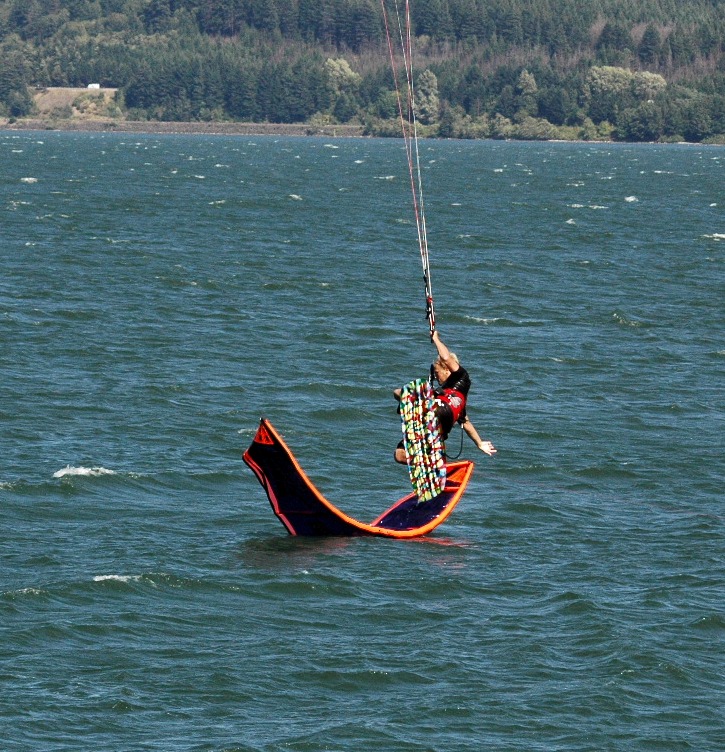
(427, 100)
(650, 47)
(634, 70)
(642, 123)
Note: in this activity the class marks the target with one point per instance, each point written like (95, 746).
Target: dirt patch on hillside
(77, 109)
(68, 102)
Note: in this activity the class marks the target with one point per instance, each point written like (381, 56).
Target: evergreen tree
(428, 103)
(432, 18)
(698, 120)
(527, 89)
(508, 21)
(14, 95)
(650, 48)
(262, 15)
(157, 16)
(473, 91)
(556, 104)
(466, 20)
(240, 92)
(614, 36)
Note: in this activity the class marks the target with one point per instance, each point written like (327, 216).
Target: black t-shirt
(461, 382)
(458, 380)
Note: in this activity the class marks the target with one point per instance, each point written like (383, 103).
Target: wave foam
(117, 577)
(90, 471)
(624, 321)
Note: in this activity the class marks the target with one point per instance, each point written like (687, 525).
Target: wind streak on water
(157, 295)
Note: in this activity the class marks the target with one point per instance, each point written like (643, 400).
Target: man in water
(450, 399)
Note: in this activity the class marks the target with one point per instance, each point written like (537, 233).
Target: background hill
(627, 69)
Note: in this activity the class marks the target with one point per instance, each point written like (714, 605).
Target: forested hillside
(626, 69)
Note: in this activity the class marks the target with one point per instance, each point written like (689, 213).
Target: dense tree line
(628, 69)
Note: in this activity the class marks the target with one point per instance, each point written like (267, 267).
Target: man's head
(441, 370)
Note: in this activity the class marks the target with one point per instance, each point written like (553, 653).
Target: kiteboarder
(450, 399)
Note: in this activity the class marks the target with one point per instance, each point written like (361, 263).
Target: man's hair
(452, 356)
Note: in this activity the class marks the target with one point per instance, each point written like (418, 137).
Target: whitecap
(481, 320)
(87, 471)
(571, 221)
(28, 180)
(295, 196)
(715, 236)
(30, 591)
(624, 321)
(631, 199)
(117, 577)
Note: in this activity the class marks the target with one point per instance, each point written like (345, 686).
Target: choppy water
(159, 294)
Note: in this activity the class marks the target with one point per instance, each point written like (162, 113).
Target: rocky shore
(191, 128)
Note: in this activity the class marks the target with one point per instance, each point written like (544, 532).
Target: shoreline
(198, 128)
(188, 128)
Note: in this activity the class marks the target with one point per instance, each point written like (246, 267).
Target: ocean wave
(84, 471)
(624, 321)
(151, 581)
(22, 592)
(712, 622)
(483, 320)
(500, 321)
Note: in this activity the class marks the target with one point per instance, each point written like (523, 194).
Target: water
(159, 294)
